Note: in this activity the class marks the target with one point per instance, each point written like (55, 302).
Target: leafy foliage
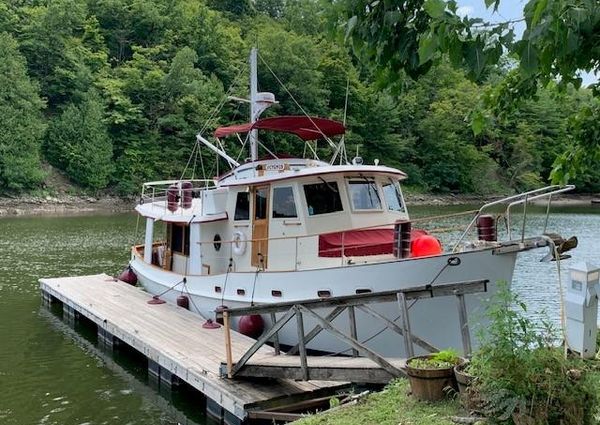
(78, 143)
(441, 360)
(128, 84)
(20, 120)
(560, 40)
(520, 371)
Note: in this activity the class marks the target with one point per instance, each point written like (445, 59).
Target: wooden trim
(412, 293)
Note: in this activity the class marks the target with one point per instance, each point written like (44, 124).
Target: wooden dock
(177, 346)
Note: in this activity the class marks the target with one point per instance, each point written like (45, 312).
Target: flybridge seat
(357, 243)
(307, 128)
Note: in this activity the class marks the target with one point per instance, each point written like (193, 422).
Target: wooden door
(260, 226)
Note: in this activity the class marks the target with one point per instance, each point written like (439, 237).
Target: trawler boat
(281, 229)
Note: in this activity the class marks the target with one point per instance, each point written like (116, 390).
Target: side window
(284, 205)
(392, 196)
(364, 195)
(242, 206)
(322, 198)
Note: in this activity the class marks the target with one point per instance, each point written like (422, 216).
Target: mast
(254, 110)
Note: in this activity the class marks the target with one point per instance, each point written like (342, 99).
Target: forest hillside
(112, 92)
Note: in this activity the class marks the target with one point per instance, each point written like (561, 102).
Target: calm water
(53, 374)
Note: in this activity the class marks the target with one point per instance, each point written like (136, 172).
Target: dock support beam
(48, 299)
(161, 375)
(464, 324)
(107, 340)
(70, 315)
(408, 344)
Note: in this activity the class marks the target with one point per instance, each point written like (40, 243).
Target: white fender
(239, 243)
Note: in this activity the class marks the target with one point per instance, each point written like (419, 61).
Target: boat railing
(158, 191)
(520, 199)
(303, 251)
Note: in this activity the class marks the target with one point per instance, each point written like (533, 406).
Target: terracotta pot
(429, 384)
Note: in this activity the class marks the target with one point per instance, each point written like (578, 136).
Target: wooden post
(316, 330)
(353, 334)
(464, 325)
(301, 346)
(408, 346)
(226, 324)
(276, 336)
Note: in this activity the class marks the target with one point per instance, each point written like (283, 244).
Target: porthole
(218, 289)
(241, 291)
(276, 293)
(324, 293)
(363, 291)
(217, 242)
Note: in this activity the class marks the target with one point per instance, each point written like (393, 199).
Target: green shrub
(440, 360)
(521, 371)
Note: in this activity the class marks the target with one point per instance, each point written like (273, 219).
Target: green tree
(560, 39)
(20, 120)
(78, 143)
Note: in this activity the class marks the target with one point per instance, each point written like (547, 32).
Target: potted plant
(464, 378)
(430, 375)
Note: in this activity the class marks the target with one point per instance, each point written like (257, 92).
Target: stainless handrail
(157, 190)
(520, 198)
(563, 189)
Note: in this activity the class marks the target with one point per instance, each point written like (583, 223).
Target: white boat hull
(433, 320)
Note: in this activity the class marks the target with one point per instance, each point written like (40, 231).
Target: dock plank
(354, 369)
(174, 338)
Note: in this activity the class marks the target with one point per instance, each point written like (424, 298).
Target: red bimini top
(307, 128)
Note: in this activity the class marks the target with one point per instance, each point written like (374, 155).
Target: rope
(258, 270)
(170, 288)
(213, 114)
(437, 217)
(227, 274)
(296, 102)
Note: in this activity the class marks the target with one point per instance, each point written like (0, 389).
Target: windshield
(393, 197)
(364, 195)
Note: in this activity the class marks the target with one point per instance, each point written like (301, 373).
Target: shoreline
(74, 205)
(64, 205)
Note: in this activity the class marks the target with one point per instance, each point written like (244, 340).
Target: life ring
(239, 243)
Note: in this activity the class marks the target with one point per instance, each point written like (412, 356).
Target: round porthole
(217, 242)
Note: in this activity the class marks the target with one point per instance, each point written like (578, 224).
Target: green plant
(441, 360)
(334, 402)
(522, 373)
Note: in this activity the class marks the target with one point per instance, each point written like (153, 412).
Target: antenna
(253, 114)
(258, 103)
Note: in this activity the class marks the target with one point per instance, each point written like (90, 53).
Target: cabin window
(242, 206)
(392, 195)
(180, 239)
(284, 205)
(322, 198)
(364, 194)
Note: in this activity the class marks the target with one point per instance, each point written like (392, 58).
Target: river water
(51, 373)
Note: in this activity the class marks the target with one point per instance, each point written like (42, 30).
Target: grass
(392, 406)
